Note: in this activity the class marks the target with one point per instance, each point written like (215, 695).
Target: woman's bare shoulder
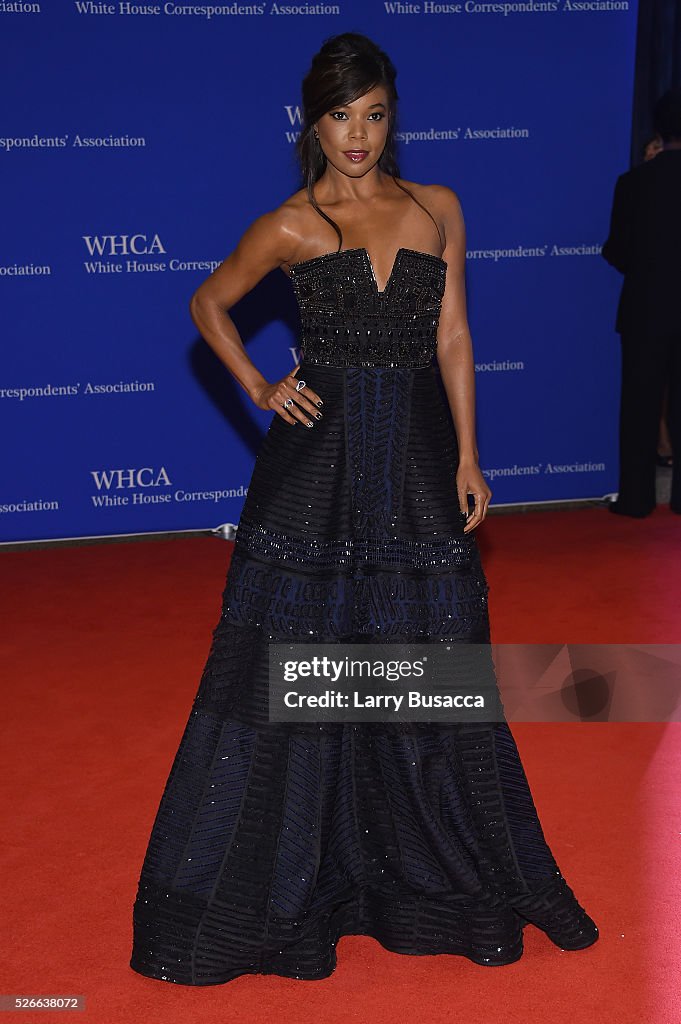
(291, 222)
(442, 197)
(278, 233)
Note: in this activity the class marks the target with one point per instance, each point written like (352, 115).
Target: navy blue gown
(272, 840)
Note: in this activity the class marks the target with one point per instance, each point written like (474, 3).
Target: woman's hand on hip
(291, 399)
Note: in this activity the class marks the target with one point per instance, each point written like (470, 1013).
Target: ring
(300, 385)
(288, 403)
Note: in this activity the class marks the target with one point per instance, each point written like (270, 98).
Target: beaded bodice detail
(348, 321)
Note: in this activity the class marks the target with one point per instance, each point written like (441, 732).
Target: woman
(274, 839)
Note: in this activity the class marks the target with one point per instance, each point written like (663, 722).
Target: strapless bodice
(347, 320)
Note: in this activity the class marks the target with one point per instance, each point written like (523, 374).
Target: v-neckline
(365, 252)
(384, 289)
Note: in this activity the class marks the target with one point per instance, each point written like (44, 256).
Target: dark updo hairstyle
(667, 115)
(346, 67)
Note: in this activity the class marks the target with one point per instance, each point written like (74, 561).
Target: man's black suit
(644, 244)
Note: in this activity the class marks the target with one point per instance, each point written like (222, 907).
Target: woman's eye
(338, 115)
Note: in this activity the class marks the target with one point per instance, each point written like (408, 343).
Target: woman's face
(354, 136)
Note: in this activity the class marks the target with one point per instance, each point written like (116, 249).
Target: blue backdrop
(141, 139)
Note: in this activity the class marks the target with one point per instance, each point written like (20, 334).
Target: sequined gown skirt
(272, 840)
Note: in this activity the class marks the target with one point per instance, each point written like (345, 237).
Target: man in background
(644, 244)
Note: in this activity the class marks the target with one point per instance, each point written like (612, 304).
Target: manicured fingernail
(320, 404)
(318, 415)
(309, 423)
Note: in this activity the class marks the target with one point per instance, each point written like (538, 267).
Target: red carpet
(103, 646)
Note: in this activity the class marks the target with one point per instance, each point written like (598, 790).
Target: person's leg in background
(674, 419)
(665, 452)
(645, 367)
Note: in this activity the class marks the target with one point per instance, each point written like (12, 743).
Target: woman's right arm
(264, 246)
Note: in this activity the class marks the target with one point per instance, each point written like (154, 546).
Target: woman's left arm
(455, 359)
